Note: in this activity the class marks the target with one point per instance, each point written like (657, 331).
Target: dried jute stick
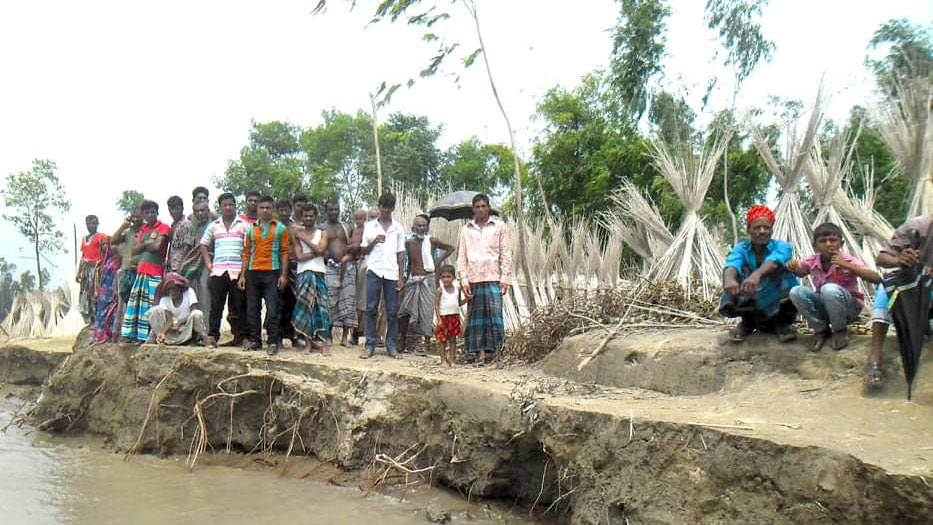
(615, 331)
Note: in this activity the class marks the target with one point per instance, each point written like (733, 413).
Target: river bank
(768, 448)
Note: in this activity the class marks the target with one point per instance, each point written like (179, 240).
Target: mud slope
(550, 444)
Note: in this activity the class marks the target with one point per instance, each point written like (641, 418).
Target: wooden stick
(716, 425)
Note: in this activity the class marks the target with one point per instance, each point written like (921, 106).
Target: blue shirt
(773, 287)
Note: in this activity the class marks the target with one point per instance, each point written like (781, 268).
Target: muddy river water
(51, 480)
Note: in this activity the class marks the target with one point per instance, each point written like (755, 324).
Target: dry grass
(655, 304)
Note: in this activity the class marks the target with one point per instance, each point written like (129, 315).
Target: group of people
(761, 284)
(318, 281)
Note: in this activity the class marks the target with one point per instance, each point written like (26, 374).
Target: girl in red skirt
(447, 309)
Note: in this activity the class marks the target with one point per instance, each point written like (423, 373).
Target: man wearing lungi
(416, 306)
(87, 269)
(485, 267)
(342, 298)
(153, 241)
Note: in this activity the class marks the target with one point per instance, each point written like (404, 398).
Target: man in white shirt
(383, 245)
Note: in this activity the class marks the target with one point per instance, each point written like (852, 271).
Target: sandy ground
(833, 411)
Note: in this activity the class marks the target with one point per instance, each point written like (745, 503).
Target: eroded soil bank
(586, 454)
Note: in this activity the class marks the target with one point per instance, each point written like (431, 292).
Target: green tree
(9, 288)
(472, 165)
(340, 155)
(638, 45)
(872, 156)
(272, 163)
(410, 154)
(129, 200)
(672, 118)
(907, 53)
(32, 197)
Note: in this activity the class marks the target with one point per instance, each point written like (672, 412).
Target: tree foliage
(32, 198)
(129, 200)
(736, 21)
(638, 45)
(907, 53)
(473, 165)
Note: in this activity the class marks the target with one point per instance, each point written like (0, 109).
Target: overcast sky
(158, 97)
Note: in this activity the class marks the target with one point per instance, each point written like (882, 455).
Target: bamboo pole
(372, 100)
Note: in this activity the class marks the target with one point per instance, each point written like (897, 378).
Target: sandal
(873, 374)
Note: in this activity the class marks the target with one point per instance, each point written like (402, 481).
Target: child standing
(447, 305)
(836, 300)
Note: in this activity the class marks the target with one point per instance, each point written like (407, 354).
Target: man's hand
(210, 267)
(840, 261)
(282, 282)
(78, 277)
(400, 284)
(731, 287)
(160, 338)
(750, 284)
(241, 282)
(908, 257)
(792, 265)
(467, 290)
(504, 287)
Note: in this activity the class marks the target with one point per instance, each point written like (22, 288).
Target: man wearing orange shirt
(265, 272)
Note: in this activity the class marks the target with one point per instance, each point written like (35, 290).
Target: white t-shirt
(383, 259)
(450, 302)
(317, 263)
(183, 310)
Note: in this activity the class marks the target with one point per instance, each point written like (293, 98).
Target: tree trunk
(39, 266)
(372, 100)
(519, 210)
(725, 193)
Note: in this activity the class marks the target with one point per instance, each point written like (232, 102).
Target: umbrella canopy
(910, 312)
(456, 205)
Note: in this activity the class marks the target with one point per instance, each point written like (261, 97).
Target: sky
(158, 97)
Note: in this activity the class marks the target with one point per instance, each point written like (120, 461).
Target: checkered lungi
(342, 300)
(485, 325)
(142, 296)
(311, 318)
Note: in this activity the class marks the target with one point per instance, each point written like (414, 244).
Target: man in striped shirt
(224, 237)
(265, 272)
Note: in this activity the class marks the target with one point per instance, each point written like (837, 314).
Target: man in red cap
(756, 282)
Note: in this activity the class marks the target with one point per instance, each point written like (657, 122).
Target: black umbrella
(456, 205)
(910, 311)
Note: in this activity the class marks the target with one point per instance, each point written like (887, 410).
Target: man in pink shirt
(835, 300)
(484, 263)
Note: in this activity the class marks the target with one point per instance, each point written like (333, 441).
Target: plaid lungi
(142, 295)
(342, 301)
(417, 304)
(311, 318)
(485, 326)
(87, 300)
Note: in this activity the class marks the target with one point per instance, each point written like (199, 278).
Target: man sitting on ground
(176, 320)
(756, 283)
(835, 299)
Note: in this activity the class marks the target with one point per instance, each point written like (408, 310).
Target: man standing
(125, 241)
(153, 240)
(225, 237)
(416, 308)
(342, 299)
(265, 258)
(184, 256)
(176, 208)
(485, 267)
(87, 269)
(252, 201)
(283, 209)
(384, 247)
(201, 194)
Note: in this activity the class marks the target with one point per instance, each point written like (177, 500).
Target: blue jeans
(377, 287)
(833, 306)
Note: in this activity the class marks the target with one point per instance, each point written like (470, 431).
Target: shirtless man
(342, 299)
(416, 308)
